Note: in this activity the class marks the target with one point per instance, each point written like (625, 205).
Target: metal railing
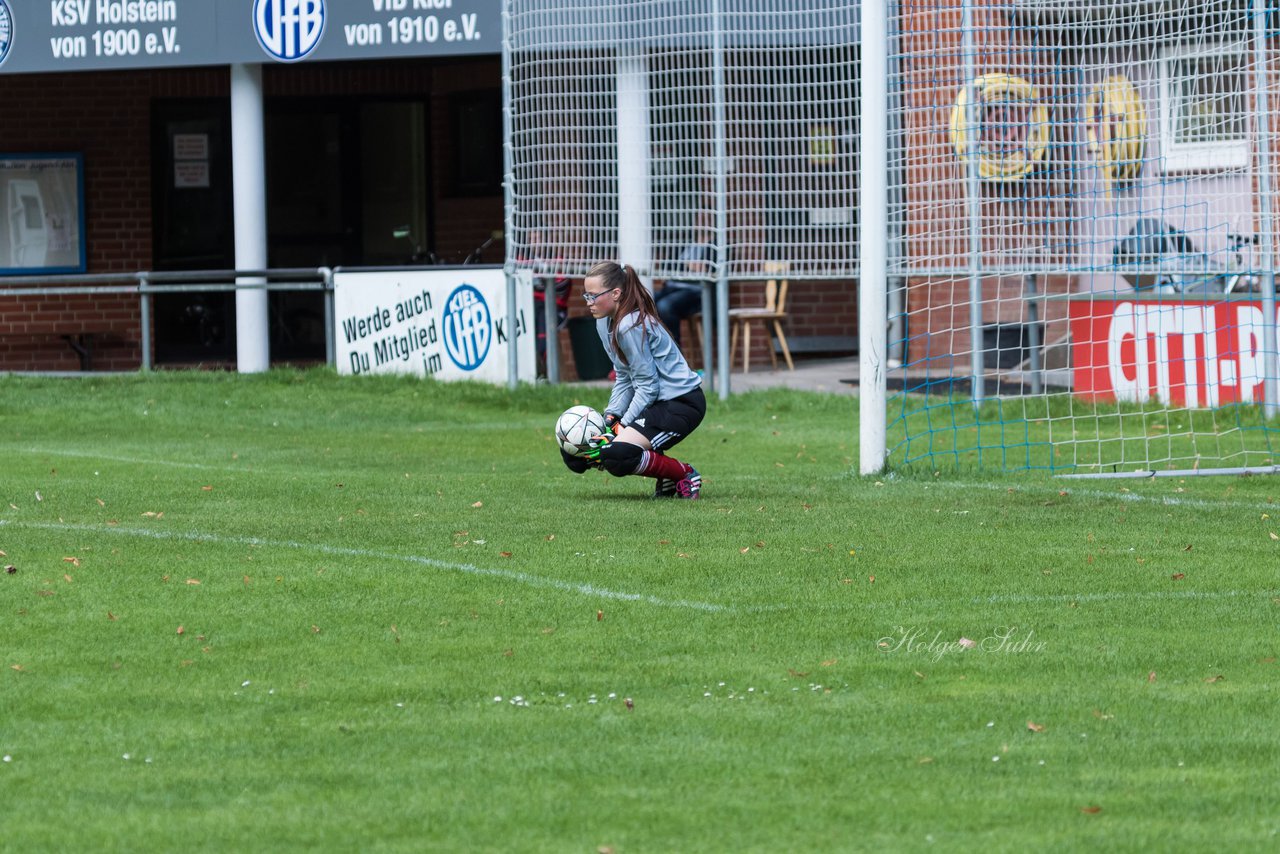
(148, 284)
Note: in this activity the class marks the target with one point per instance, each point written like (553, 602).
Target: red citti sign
(1194, 354)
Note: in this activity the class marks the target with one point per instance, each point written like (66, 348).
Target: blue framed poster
(41, 214)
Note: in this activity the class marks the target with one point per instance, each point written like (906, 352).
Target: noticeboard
(41, 214)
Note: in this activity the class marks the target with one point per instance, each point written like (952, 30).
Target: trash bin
(1148, 255)
(589, 356)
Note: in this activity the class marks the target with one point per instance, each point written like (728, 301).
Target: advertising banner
(82, 35)
(450, 324)
(1190, 353)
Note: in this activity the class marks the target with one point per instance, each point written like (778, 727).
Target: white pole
(873, 239)
(248, 178)
(634, 215)
(974, 192)
(1262, 107)
(720, 323)
(508, 208)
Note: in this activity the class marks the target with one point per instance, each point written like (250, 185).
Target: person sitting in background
(680, 298)
(533, 257)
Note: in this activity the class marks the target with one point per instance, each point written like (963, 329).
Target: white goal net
(1081, 195)
(1077, 204)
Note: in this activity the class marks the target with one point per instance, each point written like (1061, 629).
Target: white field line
(1033, 599)
(589, 590)
(1164, 500)
(135, 461)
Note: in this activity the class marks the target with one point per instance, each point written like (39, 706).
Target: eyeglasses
(591, 298)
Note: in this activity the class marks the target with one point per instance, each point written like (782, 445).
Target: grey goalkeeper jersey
(655, 369)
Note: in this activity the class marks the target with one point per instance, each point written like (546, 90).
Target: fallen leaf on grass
(924, 760)
(193, 581)
(1151, 677)
(829, 662)
(504, 554)
(1178, 576)
(1091, 810)
(66, 578)
(101, 503)
(74, 561)
(1272, 535)
(153, 515)
(599, 616)
(182, 630)
(966, 643)
(1102, 716)
(111, 616)
(1035, 727)
(206, 489)
(1217, 678)
(18, 667)
(478, 504)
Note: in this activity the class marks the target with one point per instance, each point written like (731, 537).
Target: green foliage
(378, 614)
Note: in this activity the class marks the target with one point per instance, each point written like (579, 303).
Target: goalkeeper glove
(613, 423)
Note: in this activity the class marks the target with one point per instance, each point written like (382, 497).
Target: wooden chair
(771, 314)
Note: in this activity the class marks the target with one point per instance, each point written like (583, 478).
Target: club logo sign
(467, 327)
(6, 30)
(288, 29)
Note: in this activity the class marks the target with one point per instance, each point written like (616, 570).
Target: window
(477, 143)
(1204, 98)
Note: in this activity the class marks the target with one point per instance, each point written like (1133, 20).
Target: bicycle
(1193, 272)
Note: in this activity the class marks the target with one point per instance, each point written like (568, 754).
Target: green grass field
(298, 612)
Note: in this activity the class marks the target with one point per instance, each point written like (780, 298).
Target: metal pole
(508, 192)
(330, 346)
(1033, 334)
(873, 240)
(897, 354)
(974, 188)
(721, 335)
(1262, 106)
(549, 323)
(248, 171)
(144, 315)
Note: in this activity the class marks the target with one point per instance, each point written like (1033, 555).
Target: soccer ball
(576, 429)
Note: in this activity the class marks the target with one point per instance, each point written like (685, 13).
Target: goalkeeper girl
(657, 399)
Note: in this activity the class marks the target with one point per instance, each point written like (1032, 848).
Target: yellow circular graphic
(1116, 127)
(1010, 130)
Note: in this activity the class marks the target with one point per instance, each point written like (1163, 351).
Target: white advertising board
(447, 324)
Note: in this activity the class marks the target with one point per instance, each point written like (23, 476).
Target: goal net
(1082, 235)
(1077, 204)
(653, 131)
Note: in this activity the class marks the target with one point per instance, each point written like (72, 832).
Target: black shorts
(665, 423)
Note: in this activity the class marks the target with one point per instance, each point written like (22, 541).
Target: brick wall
(107, 117)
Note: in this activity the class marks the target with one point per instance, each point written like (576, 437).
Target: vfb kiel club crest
(288, 29)
(6, 30)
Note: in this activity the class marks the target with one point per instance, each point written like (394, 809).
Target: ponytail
(634, 298)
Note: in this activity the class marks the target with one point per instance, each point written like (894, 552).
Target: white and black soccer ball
(577, 428)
